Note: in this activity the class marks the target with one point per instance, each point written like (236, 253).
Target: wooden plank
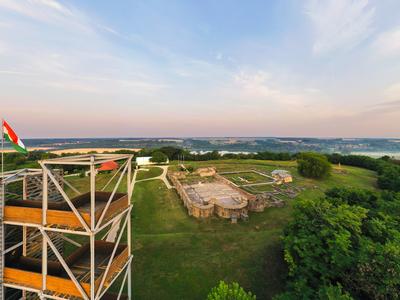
(115, 206)
(34, 280)
(23, 214)
(34, 216)
(66, 218)
(117, 264)
(66, 286)
(20, 277)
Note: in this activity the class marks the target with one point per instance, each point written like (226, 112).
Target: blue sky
(200, 68)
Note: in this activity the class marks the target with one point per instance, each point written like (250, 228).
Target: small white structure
(282, 176)
(143, 161)
(146, 160)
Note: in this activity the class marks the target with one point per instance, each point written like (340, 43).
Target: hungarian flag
(15, 141)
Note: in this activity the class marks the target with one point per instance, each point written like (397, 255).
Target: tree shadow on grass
(271, 277)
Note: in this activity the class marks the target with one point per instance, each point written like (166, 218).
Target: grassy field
(179, 257)
(152, 172)
(247, 178)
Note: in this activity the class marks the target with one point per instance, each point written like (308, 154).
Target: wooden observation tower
(61, 243)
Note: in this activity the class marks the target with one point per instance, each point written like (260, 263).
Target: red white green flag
(15, 141)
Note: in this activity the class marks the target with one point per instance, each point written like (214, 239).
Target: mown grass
(247, 178)
(179, 257)
(149, 172)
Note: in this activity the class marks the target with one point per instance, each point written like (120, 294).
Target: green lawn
(180, 257)
(247, 178)
(152, 172)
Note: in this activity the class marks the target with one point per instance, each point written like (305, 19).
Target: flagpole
(2, 209)
(2, 162)
(2, 167)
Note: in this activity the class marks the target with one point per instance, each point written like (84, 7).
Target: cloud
(73, 54)
(260, 91)
(42, 10)
(339, 24)
(256, 83)
(388, 43)
(393, 91)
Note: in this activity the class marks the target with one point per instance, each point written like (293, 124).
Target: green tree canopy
(313, 165)
(231, 291)
(158, 157)
(350, 239)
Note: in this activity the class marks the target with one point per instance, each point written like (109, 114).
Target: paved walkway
(162, 177)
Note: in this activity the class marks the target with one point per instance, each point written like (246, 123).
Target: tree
(232, 291)
(173, 153)
(313, 165)
(319, 242)
(158, 157)
(390, 178)
(329, 292)
(348, 239)
(333, 293)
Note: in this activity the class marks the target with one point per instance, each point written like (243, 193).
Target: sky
(328, 68)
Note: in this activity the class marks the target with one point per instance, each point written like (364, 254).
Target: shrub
(313, 165)
(344, 245)
(158, 157)
(232, 291)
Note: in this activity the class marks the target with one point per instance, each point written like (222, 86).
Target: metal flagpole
(2, 295)
(2, 160)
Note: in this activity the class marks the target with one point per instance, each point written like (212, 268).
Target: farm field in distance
(179, 257)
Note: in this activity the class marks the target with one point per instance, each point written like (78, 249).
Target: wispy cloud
(83, 61)
(393, 91)
(260, 92)
(388, 43)
(262, 85)
(40, 10)
(339, 24)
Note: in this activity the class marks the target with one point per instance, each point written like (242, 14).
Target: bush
(232, 291)
(158, 157)
(344, 245)
(313, 165)
(389, 179)
(330, 292)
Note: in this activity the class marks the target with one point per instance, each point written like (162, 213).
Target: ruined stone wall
(253, 203)
(194, 209)
(249, 201)
(228, 212)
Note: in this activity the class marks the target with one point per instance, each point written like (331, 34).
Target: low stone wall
(249, 201)
(194, 209)
(229, 212)
(253, 204)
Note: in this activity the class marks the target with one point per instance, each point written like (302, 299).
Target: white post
(92, 227)
(92, 194)
(44, 222)
(24, 228)
(129, 179)
(129, 242)
(129, 229)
